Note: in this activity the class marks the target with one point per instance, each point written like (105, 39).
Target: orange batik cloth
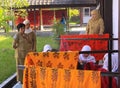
(53, 59)
(42, 77)
(76, 42)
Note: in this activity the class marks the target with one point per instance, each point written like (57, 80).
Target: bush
(58, 29)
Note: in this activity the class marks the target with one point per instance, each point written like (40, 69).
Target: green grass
(41, 41)
(7, 60)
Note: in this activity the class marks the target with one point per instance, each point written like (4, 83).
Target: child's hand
(80, 62)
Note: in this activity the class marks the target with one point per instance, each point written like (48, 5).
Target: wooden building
(44, 12)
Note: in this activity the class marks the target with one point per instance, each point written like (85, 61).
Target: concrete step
(17, 85)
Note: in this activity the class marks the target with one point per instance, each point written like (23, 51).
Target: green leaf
(7, 13)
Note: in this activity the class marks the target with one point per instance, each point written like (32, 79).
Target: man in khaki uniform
(20, 45)
(23, 45)
(95, 24)
(32, 36)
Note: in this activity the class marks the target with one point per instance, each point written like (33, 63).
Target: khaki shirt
(95, 27)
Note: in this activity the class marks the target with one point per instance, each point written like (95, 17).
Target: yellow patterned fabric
(66, 60)
(44, 77)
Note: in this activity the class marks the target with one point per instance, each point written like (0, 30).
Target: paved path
(48, 31)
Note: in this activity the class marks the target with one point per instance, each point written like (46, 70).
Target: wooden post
(67, 20)
(54, 15)
(107, 10)
(102, 8)
(34, 19)
(41, 20)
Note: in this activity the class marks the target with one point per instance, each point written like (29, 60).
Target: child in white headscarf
(114, 61)
(86, 57)
(114, 67)
(47, 48)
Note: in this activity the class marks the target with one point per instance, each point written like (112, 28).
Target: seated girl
(114, 59)
(86, 57)
(114, 68)
(47, 48)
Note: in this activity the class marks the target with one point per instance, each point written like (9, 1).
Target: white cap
(46, 48)
(26, 21)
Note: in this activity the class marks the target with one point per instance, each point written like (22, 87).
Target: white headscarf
(114, 59)
(27, 31)
(86, 48)
(89, 58)
(47, 47)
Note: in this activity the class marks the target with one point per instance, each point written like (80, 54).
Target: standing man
(24, 42)
(20, 44)
(32, 36)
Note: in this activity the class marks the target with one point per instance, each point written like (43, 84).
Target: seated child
(86, 57)
(114, 59)
(114, 68)
(47, 48)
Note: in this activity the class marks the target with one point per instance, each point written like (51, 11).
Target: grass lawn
(7, 60)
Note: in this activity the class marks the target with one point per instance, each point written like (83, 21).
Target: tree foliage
(73, 12)
(7, 12)
(58, 28)
(13, 3)
(74, 15)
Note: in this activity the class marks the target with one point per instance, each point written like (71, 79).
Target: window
(86, 11)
